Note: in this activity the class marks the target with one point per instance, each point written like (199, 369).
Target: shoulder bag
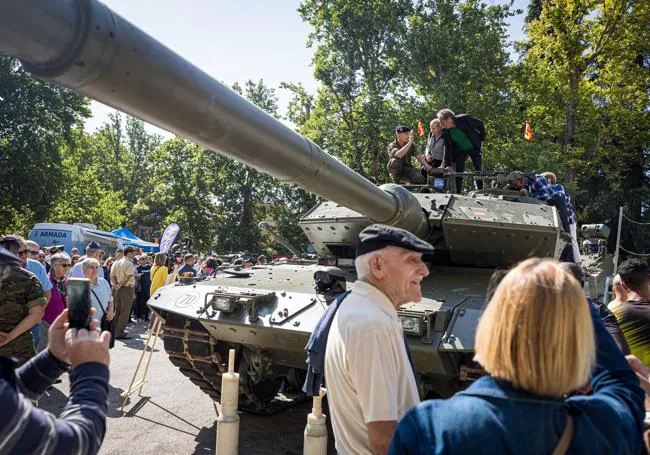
(104, 324)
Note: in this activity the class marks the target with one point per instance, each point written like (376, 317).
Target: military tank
(267, 313)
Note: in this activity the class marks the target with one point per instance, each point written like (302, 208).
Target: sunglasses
(33, 252)
(67, 266)
(22, 252)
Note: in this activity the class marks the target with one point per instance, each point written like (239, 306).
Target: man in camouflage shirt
(21, 306)
(400, 154)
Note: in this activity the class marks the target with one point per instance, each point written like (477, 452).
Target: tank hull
(197, 340)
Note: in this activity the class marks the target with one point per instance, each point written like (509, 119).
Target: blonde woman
(538, 339)
(158, 272)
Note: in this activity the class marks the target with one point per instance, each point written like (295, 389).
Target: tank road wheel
(296, 378)
(198, 356)
(259, 386)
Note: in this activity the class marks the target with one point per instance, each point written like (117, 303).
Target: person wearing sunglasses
(60, 264)
(21, 304)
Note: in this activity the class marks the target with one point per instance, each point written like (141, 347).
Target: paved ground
(174, 416)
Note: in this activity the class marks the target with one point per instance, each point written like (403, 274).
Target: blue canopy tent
(129, 238)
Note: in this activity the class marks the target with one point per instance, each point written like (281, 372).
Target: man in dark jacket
(464, 136)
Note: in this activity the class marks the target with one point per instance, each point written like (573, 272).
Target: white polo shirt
(367, 371)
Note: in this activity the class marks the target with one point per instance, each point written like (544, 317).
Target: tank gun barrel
(83, 45)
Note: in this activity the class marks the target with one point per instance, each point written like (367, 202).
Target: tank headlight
(225, 304)
(412, 325)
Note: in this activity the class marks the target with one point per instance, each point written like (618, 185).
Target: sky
(234, 41)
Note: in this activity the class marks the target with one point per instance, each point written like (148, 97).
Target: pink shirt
(56, 304)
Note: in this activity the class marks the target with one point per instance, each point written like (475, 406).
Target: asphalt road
(173, 415)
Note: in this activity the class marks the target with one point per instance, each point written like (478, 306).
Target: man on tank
(400, 154)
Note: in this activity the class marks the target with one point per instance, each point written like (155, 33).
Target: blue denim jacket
(491, 416)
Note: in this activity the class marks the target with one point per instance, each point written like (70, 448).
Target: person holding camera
(400, 154)
(81, 426)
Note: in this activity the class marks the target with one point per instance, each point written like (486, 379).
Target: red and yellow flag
(421, 130)
(528, 132)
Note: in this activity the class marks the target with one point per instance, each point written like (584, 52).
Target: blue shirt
(539, 188)
(37, 269)
(493, 417)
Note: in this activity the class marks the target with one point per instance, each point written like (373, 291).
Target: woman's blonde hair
(537, 331)
(159, 259)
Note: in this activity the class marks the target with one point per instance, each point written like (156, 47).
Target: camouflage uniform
(401, 170)
(20, 291)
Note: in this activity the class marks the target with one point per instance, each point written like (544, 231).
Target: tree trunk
(569, 135)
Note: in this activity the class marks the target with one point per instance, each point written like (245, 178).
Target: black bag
(104, 324)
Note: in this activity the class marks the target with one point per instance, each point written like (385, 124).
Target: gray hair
(59, 257)
(362, 263)
(88, 262)
(446, 114)
(32, 244)
(435, 121)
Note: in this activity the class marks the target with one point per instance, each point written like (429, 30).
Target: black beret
(402, 129)
(378, 236)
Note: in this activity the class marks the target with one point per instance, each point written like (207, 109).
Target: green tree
(358, 46)
(179, 192)
(36, 120)
(242, 192)
(586, 75)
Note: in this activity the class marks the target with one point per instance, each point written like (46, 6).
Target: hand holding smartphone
(79, 303)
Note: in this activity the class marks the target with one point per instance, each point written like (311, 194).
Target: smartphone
(79, 303)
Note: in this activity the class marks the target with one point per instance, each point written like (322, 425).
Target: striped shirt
(634, 319)
(81, 426)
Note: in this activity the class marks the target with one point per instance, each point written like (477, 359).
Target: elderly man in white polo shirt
(370, 380)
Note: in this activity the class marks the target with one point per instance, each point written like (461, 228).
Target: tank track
(199, 356)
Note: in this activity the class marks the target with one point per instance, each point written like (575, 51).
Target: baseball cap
(378, 236)
(402, 129)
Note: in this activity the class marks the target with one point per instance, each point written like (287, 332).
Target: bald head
(620, 293)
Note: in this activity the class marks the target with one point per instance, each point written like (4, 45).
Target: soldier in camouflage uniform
(21, 306)
(400, 153)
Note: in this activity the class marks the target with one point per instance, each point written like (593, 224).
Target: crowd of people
(562, 372)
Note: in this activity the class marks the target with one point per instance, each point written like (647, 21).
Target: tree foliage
(36, 120)
(581, 77)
